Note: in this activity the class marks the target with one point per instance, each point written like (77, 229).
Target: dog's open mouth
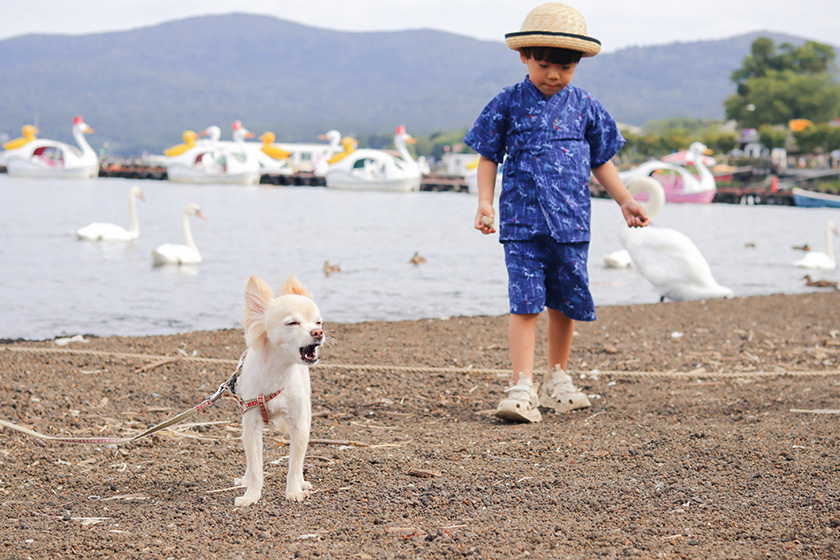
(309, 354)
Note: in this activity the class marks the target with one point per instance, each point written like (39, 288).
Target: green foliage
(684, 79)
(689, 125)
(777, 84)
(765, 57)
(781, 96)
(677, 134)
(435, 144)
(376, 141)
(819, 137)
(720, 141)
(771, 136)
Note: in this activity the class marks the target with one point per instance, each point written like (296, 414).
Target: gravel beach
(713, 433)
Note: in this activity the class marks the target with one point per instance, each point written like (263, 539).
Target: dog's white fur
(283, 335)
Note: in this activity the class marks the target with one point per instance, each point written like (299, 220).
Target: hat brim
(586, 45)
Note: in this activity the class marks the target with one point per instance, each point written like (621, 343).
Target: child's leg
(560, 331)
(526, 292)
(522, 401)
(522, 336)
(558, 390)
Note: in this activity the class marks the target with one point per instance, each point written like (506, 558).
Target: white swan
(821, 261)
(49, 158)
(99, 231)
(667, 258)
(621, 258)
(173, 253)
(618, 259)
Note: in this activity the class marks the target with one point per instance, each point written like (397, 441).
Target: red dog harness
(245, 406)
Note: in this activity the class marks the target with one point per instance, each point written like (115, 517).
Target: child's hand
(484, 219)
(634, 213)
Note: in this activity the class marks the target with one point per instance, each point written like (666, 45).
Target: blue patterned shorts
(544, 273)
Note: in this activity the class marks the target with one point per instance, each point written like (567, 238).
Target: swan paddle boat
(666, 258)
(680, 184)
(333, 154)
(189, 143)
(43, 158)
(328, 155)
(212, 161)
(377, 169)
(99, 231)
(176, 253)
(9, 147)
(272, 159)
(471, 177)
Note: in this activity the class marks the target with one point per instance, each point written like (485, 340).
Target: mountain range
(140, 89)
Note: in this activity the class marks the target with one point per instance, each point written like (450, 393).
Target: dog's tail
(257, 297)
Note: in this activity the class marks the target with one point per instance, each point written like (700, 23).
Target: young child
(553, 134)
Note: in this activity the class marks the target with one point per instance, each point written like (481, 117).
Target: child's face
(549, 77)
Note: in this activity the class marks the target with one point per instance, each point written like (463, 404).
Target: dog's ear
(258, 295)
(293, 286)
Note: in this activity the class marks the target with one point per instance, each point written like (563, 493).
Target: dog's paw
(297, 496)
(244, 501)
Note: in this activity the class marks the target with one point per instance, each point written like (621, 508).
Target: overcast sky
(617, 24)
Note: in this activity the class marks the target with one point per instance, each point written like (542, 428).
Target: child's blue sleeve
(489, 132)
(602, 134)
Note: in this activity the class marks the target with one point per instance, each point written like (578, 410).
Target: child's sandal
(521, 404)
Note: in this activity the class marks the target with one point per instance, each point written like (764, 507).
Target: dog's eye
(292, 324)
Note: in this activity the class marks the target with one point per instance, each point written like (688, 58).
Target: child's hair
(553, 55)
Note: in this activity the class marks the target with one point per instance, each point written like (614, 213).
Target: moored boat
(680, 184)
(212, 161)
(41, 158)
(814, 199)
(377, 170)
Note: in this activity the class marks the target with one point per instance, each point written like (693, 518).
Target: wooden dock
(452, 183)
(433, 182)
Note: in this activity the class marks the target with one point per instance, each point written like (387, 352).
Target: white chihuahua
(284, 336)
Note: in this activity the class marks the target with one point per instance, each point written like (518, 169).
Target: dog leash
(228, 386)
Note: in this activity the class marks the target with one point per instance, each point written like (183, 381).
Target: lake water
(51, 284)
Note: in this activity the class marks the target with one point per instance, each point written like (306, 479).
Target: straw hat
(554, 25)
